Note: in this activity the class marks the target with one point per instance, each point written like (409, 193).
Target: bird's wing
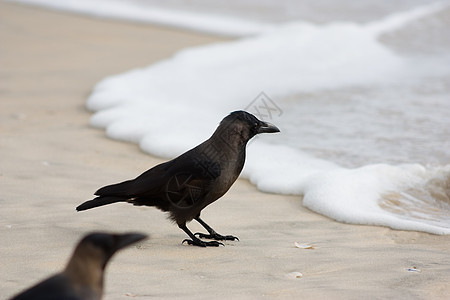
(145, 183)
(190, 178)
(191, 167)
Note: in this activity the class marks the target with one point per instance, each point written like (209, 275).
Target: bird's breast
(230, 171)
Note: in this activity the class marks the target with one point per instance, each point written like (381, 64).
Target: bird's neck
(86, 276)
(229, 139)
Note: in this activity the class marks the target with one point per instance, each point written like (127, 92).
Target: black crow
(193, 180)
(82, 278)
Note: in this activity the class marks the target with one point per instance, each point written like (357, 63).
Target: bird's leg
(195, 241)
(213, 234)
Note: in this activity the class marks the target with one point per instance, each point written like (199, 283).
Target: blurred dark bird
(82, 278)
(193, 180)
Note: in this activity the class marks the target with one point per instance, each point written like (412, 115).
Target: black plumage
(187, 184)
(82, 279)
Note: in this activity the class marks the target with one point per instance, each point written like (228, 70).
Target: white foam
(398, 197)
(292, 59)
(357, 196)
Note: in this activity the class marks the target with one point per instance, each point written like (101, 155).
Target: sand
(51, 160)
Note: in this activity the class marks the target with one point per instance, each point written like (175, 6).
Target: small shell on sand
(304, 246)
(294, 275)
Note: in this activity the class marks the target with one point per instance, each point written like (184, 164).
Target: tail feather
(100, 201)
(118, 189)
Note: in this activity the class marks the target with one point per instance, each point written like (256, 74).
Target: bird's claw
(217, 237)
(201, 243)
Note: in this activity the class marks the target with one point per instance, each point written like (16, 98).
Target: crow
(82, 279)
(187, 184)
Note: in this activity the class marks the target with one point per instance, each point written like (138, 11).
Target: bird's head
(94, 251)
(104, 245)
(245, 125)
(90, 257)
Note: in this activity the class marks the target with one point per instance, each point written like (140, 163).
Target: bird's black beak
(124, 240)
(267, 127)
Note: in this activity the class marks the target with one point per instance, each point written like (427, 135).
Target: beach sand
(51, 160)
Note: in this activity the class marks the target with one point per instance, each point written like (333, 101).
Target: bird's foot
(217, 237)
(200, 243)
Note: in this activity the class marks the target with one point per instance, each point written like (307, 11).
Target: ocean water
(359, 89)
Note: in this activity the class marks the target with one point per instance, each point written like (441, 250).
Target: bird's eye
(255, 125)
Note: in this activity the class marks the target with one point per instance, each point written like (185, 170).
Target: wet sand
(51, 160)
